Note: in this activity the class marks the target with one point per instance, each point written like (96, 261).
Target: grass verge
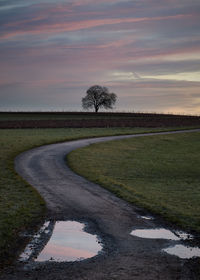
(159, 173)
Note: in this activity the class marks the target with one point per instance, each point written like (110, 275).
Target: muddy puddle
(179, 250)
(146, 217)
(62, 241)
(183, 251)
(161, 233)
(158, 233)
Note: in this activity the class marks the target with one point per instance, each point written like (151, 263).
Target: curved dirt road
(71, 197)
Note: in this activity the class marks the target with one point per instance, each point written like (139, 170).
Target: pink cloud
(49, 28)
(61, 252)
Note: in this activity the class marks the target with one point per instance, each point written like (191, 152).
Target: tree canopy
(97, 97)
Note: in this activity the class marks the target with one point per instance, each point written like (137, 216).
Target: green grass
(20, 205)
(159, 173)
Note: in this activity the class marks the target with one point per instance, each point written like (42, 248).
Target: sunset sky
(146, 51)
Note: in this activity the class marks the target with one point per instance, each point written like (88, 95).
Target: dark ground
(60, 120)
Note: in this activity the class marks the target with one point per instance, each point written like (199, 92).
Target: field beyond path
(160, 173)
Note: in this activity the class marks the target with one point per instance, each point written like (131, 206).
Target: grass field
(159, 173)
(20, 205)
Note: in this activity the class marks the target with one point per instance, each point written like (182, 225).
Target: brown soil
(101, 120)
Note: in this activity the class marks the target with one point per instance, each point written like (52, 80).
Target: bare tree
(97, 97)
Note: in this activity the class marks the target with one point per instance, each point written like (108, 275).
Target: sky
(145, 51)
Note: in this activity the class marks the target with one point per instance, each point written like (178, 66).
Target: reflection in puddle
(183, 252)
(68, 242)
(147, 217)
(160, 233)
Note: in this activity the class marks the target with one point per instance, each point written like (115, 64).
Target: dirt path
(71, 197)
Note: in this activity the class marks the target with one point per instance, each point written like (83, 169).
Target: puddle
(161, 233)
(146, 217)
(68, 242)
(158, 233)
(183, 252)
(179, 250)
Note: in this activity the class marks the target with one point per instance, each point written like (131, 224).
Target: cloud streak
(46, 28)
